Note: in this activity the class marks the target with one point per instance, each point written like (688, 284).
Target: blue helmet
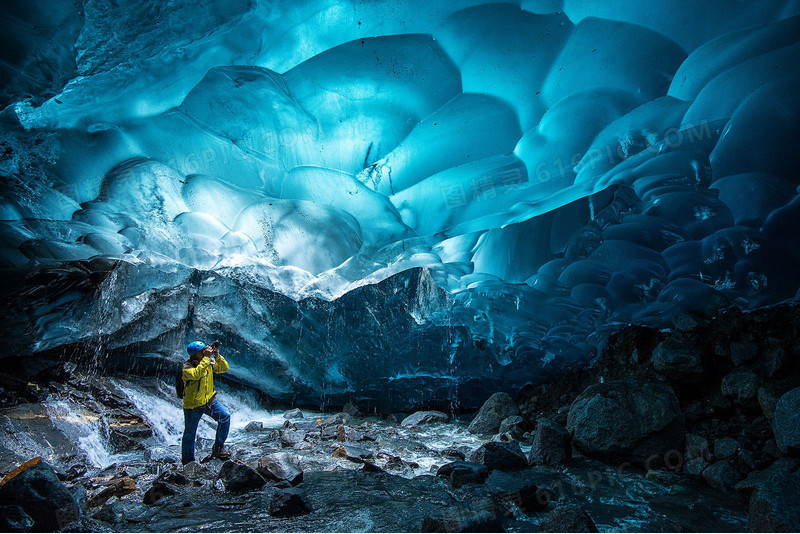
(195, 347)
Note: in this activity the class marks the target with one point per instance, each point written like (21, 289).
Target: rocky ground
(692, 429)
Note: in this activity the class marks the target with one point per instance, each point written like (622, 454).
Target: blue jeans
(191, 419)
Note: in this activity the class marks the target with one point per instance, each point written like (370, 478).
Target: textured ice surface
(400, 201)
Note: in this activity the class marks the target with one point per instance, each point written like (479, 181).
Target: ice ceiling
(525, 176)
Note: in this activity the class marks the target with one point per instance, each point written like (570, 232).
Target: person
(200, 398)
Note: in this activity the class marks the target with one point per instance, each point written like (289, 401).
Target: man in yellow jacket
(200, 398)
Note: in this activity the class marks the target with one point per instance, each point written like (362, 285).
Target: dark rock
(725, 448)
(424, 418)
(109, 513)
(41, 495)
(290, 438)
(740, 386)
(369, 467)
(289, 502)
(460, 473)
(340, 418)
(512, 426)
(74, 471)
(195, 471)
(678, 360)
(786, 422)
(517, 492)
(346, 433)
(776, 361)
(771, 449)
(294, 413)
(667, 478)
(480, 521)
(14, 519)
(254, 426)
(116, 487)
(239, 477)
(506, 456)
(157, 491)
(567, 518)
(627, 421)
(743, 352)
(758, 478)
(352, 409)
(695, 466)
(550, 443)
(280, 466)
(697, 447)
(774, 505)
(353, 453)
(721, 475)
(173, 477)
(684, 322)
(494, 410)
(453, 453)
(768, 401)
(747, 461)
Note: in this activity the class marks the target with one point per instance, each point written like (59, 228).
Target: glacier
(405, 203)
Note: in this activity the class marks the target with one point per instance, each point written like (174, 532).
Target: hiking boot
(220, 452)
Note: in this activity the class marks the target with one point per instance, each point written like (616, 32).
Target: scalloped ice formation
(557, 167)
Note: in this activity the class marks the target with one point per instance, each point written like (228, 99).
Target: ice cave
(575, 217)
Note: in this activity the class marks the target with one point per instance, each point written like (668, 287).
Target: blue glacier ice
(403, 203)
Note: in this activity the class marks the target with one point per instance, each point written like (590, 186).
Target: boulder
(697, 447)
(695, 466)
(14, 519)
(290, 438)
(515, 491)
(740, 386)
(116, 487)
(567, 518)
(721, 475)
(340, 418)
(36, 489)
(627, 421)
(289, 502)
(678, 360)
(424, 418)
(173, 477)
(743, 353)
(499, 406)
(767, 401)
(550, 443)
(502, 455)
(352, 409)
(353, 453)
(294, 413)
(774, 505)
(725, 448)
(239, 478)
(254, 426)
(786, 422)
(280, 466)
(758, 478)
(461, 472)
(196, 471)
(478, 521)
(346, 433)
(776, 361)
(157, 491)
(512, 426)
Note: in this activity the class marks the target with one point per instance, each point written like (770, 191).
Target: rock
(758, 478)
(627, 421)
(514, 491)
(678, 360)
(550, 443)
(345, 433)
(289, 502)
(254, 426)
(497, 407)
(774, 505)
(460, 473)
(512, 426)
(740, 386)
(294, 413)
(35, 487)
(721, 475)
(280, 466)
(157, 491)
(116, 487)
(695, 466)
(352, 409)
(725, 448)
(238, 477)
(110, 513)
(684, 322)
(160, 454)
(567, 518)
(353, 453)
(743, 353)
(74, 471)
(771, 449)
(697, 447)
(747, 461)
(173, 477)
(14, 519)
(340, 418)
(290, 438)
(195, 471)
(502, 455)
(667, 478)
(786, 422)
(768, 401)
(453, 453)
(480, 521)
(776, 361)
(424, 418)
(368, 467)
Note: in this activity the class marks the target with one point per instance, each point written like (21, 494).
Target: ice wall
(551, 169)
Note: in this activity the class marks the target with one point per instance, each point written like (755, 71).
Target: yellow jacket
(198, 381)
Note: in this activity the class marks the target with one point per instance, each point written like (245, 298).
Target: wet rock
(695, 466)
(289, 502)
(173, 477)
(195, 471)
(369, 467)
(116, 487)
(667, 478)
(776, 361)
(280, 466)
(627, 421)
(109, 513)
(157, 491)
(352, 409)
(684, 322)
(773, 505)
(346, 433)
(721, 475)
(41, 495)
(550, 443)
(294, 413)
(453, 453)
(567, 518)
(512, 426)
(353, 453)
(516, 492)
(14, 519)
(740, 386)
(499, 406)
(160, 454)
(238, 477)
(743, 353)
(725, 448)
(697, 447)
(460, 473)
(424, 418)
(786, 422)
(254, 426)
(747, 461)
(74, 471)
(481, 521)
(503, 455)
(758, 478)
(678, 360)
(290, 438)
(771, 449)
(767, 400)
(340, 418)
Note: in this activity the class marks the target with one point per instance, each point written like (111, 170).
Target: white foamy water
(83, 429)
